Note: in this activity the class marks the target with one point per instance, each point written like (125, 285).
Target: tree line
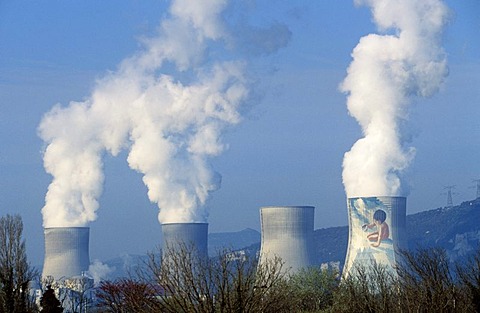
(425, 281)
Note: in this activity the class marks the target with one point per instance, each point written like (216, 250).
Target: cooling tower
(376, 231)
(287, 232)
(177, 236)
(66, 252)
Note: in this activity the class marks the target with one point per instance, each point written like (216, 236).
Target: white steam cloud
(99, 271)
(386, 71)
(168, 105)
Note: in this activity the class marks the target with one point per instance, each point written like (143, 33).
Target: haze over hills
(456, 229)
(232, 240)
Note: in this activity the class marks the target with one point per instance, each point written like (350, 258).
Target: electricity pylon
(449, 195)
(477, 186)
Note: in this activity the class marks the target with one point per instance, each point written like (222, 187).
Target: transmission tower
(477, 186)
(449, 194)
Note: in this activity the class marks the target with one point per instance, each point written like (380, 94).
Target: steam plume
(168, 105)
(386, 71)
(99, 271)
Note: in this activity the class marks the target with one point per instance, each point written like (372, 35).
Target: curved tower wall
(66, 252)
(363, 244)
(287, 232)
(185, 235)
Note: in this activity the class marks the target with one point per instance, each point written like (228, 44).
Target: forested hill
(456, 229)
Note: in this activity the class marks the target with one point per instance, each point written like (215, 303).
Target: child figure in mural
(382, 231)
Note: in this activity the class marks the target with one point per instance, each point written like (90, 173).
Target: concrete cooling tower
(287, 232)
(66, 252)
(376, 231)
(185, 235)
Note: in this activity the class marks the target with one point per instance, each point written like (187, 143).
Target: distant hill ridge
(456, 229)
(232, 240)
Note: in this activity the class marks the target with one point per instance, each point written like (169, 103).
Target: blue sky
(289, 147)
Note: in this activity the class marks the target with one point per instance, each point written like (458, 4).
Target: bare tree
(188, 282)
(427, 282)
(15, 271)
(126, 295)
(368, 288)
(79, 290)
(313, 288)
(469, 275)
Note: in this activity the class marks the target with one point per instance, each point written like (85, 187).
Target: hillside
(455, 229)
(232, 240)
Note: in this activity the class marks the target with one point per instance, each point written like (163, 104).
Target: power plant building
(287, 233)
(66, 252)
(376, 231)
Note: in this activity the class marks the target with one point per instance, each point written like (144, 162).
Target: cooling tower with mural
(376, 231)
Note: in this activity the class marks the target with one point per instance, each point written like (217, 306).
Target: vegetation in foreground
(15, 272)
(425, 282)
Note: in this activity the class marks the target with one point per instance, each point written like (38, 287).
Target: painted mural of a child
(382, 232)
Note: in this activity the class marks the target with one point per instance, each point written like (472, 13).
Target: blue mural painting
(371, 237)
